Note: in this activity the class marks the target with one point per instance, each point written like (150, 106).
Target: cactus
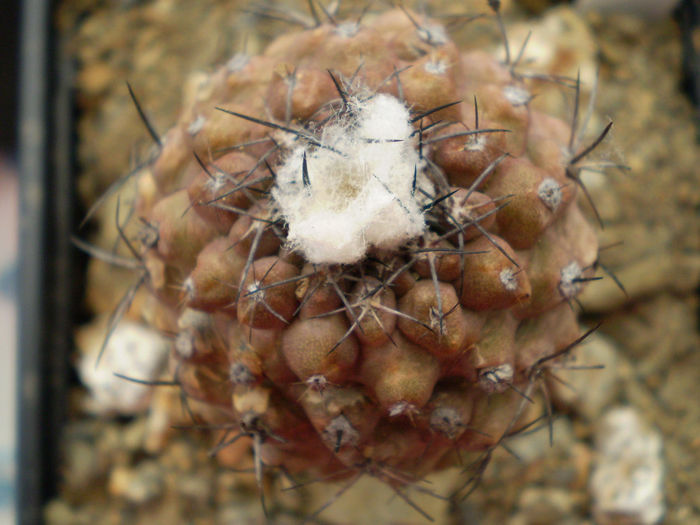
(367, 245)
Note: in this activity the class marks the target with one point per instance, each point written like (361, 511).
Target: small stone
(627, 481)
(137, 485)
(195, 487)
(134, 434)
(134, 351)
(546, 505)
(59, 512)
(652, 9)
(83, 466)
(532, 447)
(588, 391)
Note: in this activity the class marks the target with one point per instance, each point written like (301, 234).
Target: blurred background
(9, 208)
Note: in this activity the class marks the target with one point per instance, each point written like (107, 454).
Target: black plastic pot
(46, 291)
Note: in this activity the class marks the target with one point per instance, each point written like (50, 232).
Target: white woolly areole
(359, 191)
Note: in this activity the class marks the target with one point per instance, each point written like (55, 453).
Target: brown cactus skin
(316, 294)
(345, 419)
(206, 382)
(263, 302)
(554, 252)
(497, 344)
(312, 87)
(400, 374)
(214, 193)
(413, 355)
(468, 208)
(498, 108)
(375, 325)
(527, 215)
(201, 338)
(492, 280)
(431, 83)
(267, 345)
(215, 132)
(279, 419)
(403, 281)
(448, 266)
(249, 229)
(311, 346)
(449, 410)
(492, 415)
(443, 330)
(173, 158)
(181, 236)
(217, 265)
(462, 161)
(544, 335)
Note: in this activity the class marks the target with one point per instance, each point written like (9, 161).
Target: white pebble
(627, 481)
(133, 351)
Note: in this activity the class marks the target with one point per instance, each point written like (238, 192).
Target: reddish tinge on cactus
(367, 244)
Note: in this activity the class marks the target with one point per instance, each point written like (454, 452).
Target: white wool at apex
(359, 188)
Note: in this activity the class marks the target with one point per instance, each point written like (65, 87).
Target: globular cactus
(367, 245)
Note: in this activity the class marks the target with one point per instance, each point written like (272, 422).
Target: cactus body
(377, 237)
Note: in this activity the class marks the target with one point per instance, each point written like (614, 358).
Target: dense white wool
(360, 185)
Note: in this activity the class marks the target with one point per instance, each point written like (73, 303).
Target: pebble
(133, 351)
(627, 481)
(83, 463)
(59, 512)
(544, 506)
(534, 446)
(648, 8)
(589, 390)
(195, 487)
(139, 484)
